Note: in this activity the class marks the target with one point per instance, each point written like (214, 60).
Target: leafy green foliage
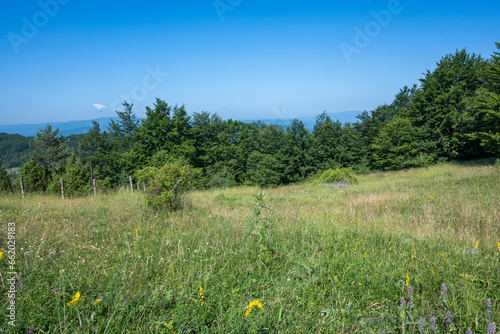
(49, 149)
(166, 185)
(442, 103)
(36, 178)
(76, 179)
(263, 170)
(5, 181)
(338, 175)
(453, 114)
(14, 150)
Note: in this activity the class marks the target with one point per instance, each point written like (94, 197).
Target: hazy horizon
(65, 60)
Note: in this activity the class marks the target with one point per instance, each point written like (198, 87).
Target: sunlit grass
(320, 259)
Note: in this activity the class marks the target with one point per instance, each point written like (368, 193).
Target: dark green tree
(263, 170)
(442, 104)
(486, 107)
(327, 136)
(49, 149)
(76, 178)
(36, 178)
(124, 130)
(297, 158)
(5, 181)
(397, 146)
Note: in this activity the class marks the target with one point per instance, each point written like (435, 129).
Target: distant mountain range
(79, 127)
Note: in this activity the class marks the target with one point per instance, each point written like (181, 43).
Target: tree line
(453, 114)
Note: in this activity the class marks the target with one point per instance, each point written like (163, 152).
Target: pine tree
(49, 149)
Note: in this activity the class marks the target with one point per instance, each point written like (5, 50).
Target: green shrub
(5, 182)
(338, 175)
(76, 179)
(166, 185)
(36, 178)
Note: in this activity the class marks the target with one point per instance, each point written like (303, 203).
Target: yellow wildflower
(1, 253)
(251, 305)
(477, 244)
(97, 301)
(407, 280)
(498, 246)
(201, 295)
(75, 299)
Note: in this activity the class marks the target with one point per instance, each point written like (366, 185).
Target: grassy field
(301, 259)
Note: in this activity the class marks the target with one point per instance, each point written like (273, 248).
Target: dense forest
(453, 114)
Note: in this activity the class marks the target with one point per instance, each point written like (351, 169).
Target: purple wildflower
(410, 295)
(469, 331)
(402, 302)
(488, 308)
(166, 320)
(433, 323)
(31, 330)
(56, 290)
(352, 328)
(125, 303)
(421, 324)
(443, 292)
(492, 329)
(447, 317)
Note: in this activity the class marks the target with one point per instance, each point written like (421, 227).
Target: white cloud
(99, 107)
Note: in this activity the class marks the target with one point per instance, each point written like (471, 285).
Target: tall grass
(318, 259)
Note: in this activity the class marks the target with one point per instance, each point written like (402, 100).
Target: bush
(36, 178)
(76, 179)
(338, 175)
(5, 182)
(166, 185)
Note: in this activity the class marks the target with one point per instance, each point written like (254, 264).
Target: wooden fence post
(93, 183)
(91, 173)
(22, 185)
(131, 184)
(62, 188)
(144, 185)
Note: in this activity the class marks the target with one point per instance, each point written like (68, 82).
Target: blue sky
(250, 59)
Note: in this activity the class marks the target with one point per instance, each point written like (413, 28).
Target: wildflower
(469, 331)
(201, 295)
(477, 244)
(433, 323)
(407, 280)
(31, 330)
(251, 305)
(443, 292)
(488, 308)
(410, 295)
(97, 301)
(75, 299)
(492, 329)
(421, 324)
(125, 304)
(402, 302)
(56, 290)
(498, 246)
(1, 254)
(447, 317)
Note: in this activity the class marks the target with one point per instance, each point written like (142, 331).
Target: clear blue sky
(250, 59)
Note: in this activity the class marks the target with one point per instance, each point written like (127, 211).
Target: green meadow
(303, 258)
